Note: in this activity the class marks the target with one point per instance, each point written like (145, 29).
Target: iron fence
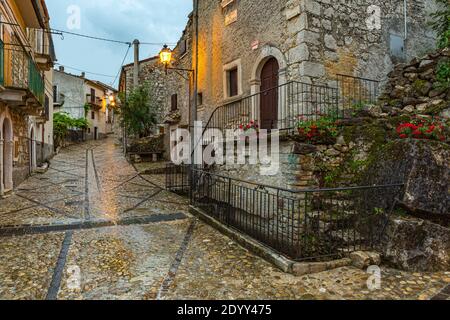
(277, 108)
(355, 92)
(177, 179)
(306, 224)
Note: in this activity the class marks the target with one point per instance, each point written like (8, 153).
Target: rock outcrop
(424, 167)
(416, 245)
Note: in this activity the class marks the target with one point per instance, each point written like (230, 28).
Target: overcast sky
(125, 20)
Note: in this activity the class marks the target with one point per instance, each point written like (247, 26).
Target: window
(233, 89)
(93, 115)
(92, 96)
(55, 94)
(200, 99)
(174, 103)
(232, 77)
(397, 45)
(47, 108)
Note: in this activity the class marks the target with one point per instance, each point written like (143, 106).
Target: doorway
(32, 151)
(6, 155)
(269, 95)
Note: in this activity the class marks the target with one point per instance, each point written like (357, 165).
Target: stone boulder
(416, 245)
(423, 166)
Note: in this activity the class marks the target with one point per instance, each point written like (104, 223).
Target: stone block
(360, 259)
(292, 12)
(311, 6)
(299, 53)
(330, 42)
(308, 37)
(312, 69)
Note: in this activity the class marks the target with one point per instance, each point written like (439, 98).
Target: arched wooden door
(269, 95)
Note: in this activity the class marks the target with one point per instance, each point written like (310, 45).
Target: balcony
(43, 48)
(96, 103)
(21, 84)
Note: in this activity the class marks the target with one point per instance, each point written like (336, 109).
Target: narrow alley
(92, 227)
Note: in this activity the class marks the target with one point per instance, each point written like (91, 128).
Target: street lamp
(165, 56)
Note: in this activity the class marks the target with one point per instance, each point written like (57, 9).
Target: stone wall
(340, 36)
(311, 40)
(21, 157)
(413, 88)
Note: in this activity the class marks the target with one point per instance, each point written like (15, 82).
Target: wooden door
(269, 95)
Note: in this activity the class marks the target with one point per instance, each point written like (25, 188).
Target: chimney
(136, 64)
(83, 74)
(61, 68)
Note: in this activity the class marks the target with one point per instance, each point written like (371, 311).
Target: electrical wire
(121, 66)
(93, 73)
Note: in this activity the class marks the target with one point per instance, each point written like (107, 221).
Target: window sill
(232, 99)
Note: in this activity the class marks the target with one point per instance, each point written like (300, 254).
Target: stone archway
(268, 53)
(6, 153)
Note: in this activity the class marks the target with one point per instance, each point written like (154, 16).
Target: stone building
(263, 44)
(80, 97)
(172, 88)
(26, 99)
(251, 46)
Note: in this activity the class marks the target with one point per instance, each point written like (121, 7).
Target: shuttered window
(233, 82)
(55, 94)
(92, 95)
(174, 103)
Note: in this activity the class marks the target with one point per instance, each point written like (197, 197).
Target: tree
(441, 23)
(140, 111)
(62, 122)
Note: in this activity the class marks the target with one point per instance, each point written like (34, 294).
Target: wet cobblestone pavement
(119, 235)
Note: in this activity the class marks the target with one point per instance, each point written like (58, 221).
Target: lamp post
(165, 56)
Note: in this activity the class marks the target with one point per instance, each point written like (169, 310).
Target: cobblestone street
(93, 227)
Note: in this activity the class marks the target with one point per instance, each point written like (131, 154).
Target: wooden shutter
(174, 103)
(233, 82)
(93, 95)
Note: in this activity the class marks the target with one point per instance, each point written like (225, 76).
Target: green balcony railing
(35, 81)
(19, 71)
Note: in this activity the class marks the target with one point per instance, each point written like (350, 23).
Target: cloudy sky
(154, 21)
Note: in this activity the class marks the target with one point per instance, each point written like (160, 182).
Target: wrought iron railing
(35, 81)
(282, 107)
(19, 71)
(277, 108)
(306, 224)
(355, 92)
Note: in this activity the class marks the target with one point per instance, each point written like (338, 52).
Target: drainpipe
(193, 117)
(405, 9)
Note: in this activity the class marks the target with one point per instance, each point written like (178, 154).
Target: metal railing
(303, 225)
(355, 92)
(19, 71)
(277, 108)
(281, 107)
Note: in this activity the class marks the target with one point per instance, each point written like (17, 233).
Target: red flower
(403, 136)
